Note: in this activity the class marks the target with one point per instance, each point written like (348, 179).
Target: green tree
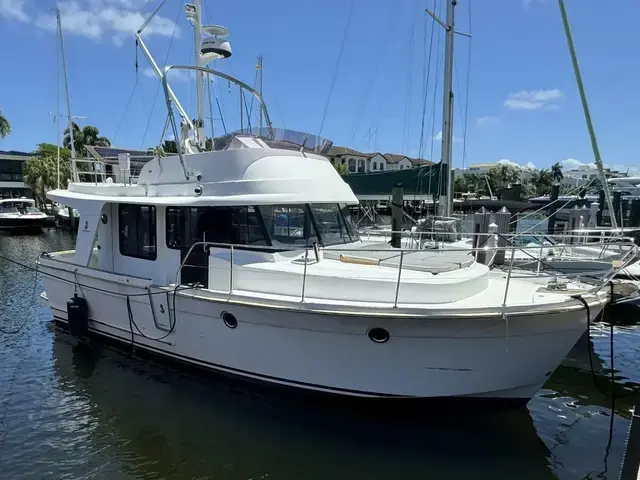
(40, 171)
(341, 168)
(170, 146)
(5, 126)
(556, 172)
(542, 180)
(158, 151)
(504, 175)
(88, 135)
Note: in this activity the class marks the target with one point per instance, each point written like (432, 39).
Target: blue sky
(522, 104)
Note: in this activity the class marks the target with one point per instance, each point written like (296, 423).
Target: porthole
(378, 335)
(103, 218)
(198, 190)
(229, 319)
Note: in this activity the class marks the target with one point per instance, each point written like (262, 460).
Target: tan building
(359, 162)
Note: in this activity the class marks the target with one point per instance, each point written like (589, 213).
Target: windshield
(333, 223)
(288, 224)
(327, 224)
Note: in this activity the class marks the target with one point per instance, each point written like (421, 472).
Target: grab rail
(597, 282)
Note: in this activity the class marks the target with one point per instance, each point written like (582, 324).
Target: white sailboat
(243, 261)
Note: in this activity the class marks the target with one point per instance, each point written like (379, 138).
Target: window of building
(11, 170)
(332, 161)
(360, 166)
(229, 225)
(375, 165)
(137, 225)
(352, 164)
(381, 166)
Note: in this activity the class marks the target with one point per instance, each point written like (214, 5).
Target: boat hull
(23, 224)
(489, 358)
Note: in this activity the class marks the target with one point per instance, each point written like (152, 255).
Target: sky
(366, 74)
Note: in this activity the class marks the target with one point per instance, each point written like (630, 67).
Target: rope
(166, 58)
(426, 73)
(611, 350)
(339, 60)
(81, 285)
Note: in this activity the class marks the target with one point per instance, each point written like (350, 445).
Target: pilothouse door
(196, 267)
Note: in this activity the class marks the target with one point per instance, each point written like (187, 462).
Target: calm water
(67, 411)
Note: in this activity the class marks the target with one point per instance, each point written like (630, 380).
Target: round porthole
(229, 319)
(378, 335)
(198, 190)
(103, 218)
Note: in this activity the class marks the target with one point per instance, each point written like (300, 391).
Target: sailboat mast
(197, 34)
(66, 87)
(447, 110)
(587, 116)
(58, 107)
(260, 91)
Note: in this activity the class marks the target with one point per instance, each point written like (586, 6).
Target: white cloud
(98, 18)
(534, 99)
(487, 121)
(174, 75)
(13, 10)
(438, 137)
(573, 164)
(527, 166)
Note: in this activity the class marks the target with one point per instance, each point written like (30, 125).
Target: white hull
(426, 357)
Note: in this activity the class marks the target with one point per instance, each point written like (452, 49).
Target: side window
(232, 225)
(137, 226)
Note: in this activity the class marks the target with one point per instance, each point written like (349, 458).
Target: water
(68, 411)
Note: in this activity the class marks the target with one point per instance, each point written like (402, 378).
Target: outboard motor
(78, 315)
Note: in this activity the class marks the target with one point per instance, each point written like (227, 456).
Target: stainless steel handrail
(599, 282)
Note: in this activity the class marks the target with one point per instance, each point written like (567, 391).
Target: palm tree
(556, 172)
(542, 180)
(89, 135)
(40, 175)
(5, 126)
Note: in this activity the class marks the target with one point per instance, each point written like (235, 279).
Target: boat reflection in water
(150, 422)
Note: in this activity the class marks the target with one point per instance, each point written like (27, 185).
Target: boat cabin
(248, 195)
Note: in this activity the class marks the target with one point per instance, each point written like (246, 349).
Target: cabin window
(232, 225)
(288, 224)
(137, 225)
(331, 224)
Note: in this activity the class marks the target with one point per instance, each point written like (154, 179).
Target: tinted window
(233, 225)
(137, 224)
(288, 224)
(330, 223)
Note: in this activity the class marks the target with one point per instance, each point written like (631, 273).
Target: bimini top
(248, 171)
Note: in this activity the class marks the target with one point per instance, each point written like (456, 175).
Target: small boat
(21, 214)
(64, 220)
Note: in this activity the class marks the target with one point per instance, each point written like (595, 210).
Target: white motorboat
(350, 320)
(244, 261)
(66, 217)
(21, 214)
